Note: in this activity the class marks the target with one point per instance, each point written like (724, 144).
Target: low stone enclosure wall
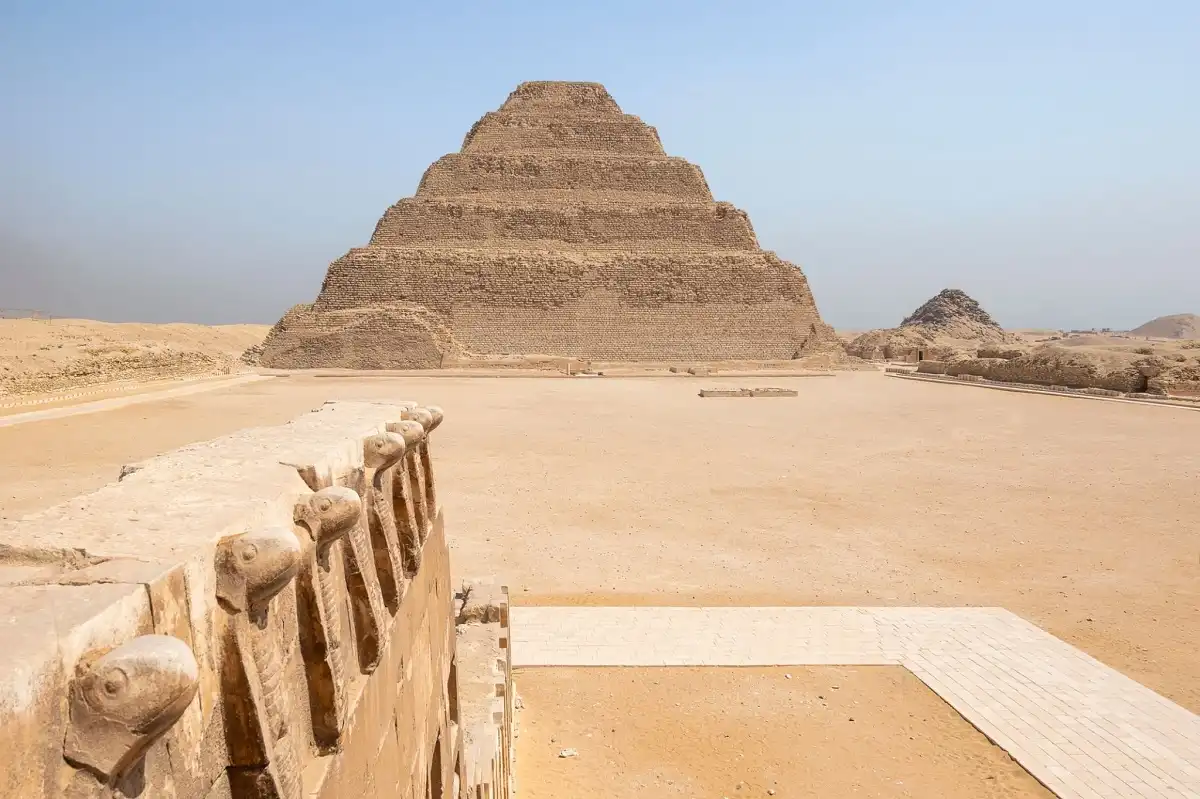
(265, 615)
(934, 376)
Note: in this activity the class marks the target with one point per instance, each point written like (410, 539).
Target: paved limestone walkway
(1080, 727)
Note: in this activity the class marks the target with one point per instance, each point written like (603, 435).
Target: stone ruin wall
(485, 673)
(562, 228)
(264, 615)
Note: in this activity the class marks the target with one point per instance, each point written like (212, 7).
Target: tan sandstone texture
(266, 615)
(561, 228)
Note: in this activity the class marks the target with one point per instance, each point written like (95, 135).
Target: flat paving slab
(1081, 728)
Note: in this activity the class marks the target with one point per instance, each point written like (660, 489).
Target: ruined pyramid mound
(560, 228)
(1180, 325)
(952, 313)
(948, 324)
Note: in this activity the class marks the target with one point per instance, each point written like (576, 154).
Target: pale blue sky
(205, 161)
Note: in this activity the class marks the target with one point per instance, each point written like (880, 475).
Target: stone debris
(748, 392)
(568, 753)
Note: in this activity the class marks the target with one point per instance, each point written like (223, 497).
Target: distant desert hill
(40, 356)
(1180, 325)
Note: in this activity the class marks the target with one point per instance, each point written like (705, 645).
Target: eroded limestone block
(382, 454)
(46, 631)
(252, 569)
(338, 466)
(483, 677)
(481, 601)
(429, 417)
(724, 392)
(409, 496)
(255, 566)
(327, 515)
(436, 416)
(124, 700)
(181, 604)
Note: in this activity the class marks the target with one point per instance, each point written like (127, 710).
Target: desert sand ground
(43, 356)
(846, 732)
(1079, 515)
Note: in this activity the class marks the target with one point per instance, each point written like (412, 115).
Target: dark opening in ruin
(452, 690)
(436, 789)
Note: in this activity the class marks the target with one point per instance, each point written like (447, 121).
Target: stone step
(602, 305)
(438, 277)
(655, 226)
(500, 131)
(460, 174)
(561, 96)
(566, 197)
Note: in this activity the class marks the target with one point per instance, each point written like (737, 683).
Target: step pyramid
(562, 228)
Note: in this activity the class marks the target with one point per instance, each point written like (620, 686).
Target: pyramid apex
(561, 96)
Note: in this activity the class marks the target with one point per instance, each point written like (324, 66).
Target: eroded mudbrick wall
(562, 228)
(268, 615)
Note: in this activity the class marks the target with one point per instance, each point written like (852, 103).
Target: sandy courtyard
(1082, 516)
(804, 733)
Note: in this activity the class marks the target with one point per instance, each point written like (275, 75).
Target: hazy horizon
(206, 163)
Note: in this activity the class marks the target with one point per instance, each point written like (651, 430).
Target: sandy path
(130, 396)
(1083, 517)
(804, 733)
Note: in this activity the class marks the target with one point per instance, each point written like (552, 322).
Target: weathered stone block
(66, 649)
(724, 392)
(194, 630)
(486, 693)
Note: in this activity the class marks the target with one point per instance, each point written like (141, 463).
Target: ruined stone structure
(562, 228)
(267, 615)
(945, 326)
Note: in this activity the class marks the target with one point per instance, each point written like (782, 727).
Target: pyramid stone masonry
(562, 229)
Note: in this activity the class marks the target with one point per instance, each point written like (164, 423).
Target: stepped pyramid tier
(562, 228)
